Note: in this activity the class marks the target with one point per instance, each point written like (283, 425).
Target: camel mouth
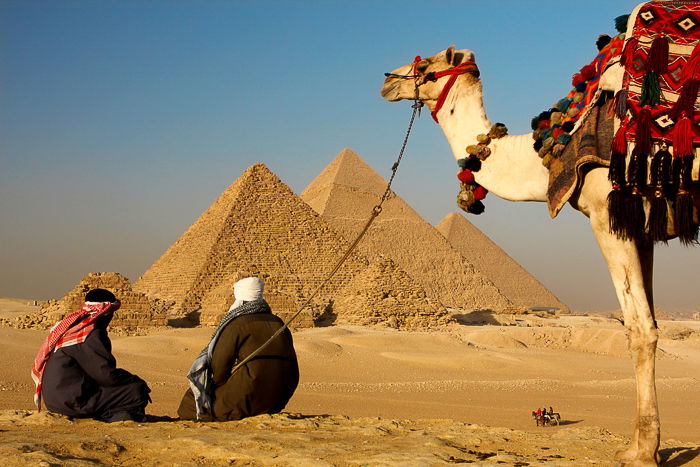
(390, 90)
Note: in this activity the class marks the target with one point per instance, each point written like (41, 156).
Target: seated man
(77, 374)
(263, 385)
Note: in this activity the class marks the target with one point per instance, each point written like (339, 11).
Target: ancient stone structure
(137, 310)
(515, 282)
(258, 226)
(345, 192)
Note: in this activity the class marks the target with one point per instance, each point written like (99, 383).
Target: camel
(515, 172)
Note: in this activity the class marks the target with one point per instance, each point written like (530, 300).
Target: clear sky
(121, 121)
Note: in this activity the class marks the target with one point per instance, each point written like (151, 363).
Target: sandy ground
(370, 396)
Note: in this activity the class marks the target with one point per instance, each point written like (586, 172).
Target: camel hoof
(631, 458)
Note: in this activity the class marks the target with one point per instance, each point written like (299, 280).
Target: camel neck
(513, 171)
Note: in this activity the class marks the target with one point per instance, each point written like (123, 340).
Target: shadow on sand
(477, 318)
(681, 456)
(569, 422)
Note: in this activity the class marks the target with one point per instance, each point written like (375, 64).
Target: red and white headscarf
(71, 330)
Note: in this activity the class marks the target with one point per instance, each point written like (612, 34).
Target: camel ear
(461, 56)
(450, 55)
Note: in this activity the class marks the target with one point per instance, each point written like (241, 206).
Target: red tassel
(657, 61)
(628, 51)
(643, 132)
(683, 138)
(619, 145)
(692, 69)
(686, 100)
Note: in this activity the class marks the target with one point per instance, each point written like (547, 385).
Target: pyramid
(258, 226)
(137, 310)
(344, 194)
(512, 279)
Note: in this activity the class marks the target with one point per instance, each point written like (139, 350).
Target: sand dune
(378, 396)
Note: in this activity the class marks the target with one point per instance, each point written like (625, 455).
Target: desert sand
(462, 393)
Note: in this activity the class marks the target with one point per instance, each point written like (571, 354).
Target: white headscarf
(247, 290)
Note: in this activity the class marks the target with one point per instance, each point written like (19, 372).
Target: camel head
(429, 75)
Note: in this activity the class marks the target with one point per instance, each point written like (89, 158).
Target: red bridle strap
(453, 73)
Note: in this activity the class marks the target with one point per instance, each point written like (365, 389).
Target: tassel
(619, 144)
(628, 52)
(643, 133)
(686, 100)
(638, 170)
(691, 71)
(616, 173)
(686, 228)
(637, 221)
(621, 106)
(657, 225)
(657, 61)
(682, 137)
(617, 202)
(651, 89)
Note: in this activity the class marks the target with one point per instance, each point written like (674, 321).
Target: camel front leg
(631, 269)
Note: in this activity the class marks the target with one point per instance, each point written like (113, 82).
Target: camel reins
(453, 73)
(417, 105)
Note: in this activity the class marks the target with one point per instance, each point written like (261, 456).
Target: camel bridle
(432, 76)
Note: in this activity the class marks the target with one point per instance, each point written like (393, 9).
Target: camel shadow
(683, 455)
(569, 422)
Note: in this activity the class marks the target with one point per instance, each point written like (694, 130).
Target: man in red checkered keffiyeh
(75, 370)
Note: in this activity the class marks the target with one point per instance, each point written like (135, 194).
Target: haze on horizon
(123, 120)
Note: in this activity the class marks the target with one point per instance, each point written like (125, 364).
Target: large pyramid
(519, 285)
(345, 192)
(258, 226)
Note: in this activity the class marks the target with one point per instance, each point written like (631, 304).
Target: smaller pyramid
(137, 310)
(378, 295)
(345, 193)
(521, 287)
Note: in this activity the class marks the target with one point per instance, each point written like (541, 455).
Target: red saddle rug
(654, 149)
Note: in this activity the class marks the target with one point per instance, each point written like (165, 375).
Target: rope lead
(375, 212)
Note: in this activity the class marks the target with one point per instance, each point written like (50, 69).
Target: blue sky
(121, 121)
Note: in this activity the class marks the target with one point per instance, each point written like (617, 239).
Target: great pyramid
(344, 194)
(258, 226)
(512, 279)
(137, 310)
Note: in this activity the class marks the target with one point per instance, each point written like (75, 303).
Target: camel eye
(422, 66)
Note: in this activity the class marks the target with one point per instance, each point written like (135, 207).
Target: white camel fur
(515, 172)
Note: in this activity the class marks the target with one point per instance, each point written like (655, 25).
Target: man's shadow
(681, 455)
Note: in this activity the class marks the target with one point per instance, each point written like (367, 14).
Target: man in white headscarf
(264, 384)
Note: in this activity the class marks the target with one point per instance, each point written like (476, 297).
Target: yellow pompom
(556, 118)
(546, 160)
(483, 139)
(471, 149)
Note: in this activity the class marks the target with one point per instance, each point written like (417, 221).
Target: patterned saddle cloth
(656, 118)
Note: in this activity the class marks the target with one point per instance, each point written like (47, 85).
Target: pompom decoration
(588, 72)
(621, 23)
(480, 193)
(602, 41)
(564, 138)
(471, 193)
(466, 176)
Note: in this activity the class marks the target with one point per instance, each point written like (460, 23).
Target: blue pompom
(563, 104)
(580, 87)
(545, 134)
(462, 163)
(564, 138)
